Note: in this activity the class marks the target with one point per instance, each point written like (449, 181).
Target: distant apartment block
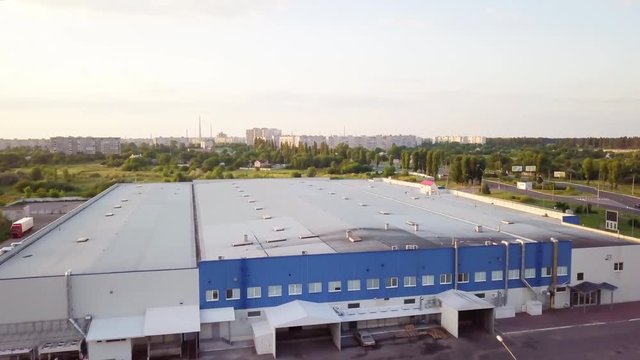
(297, 140)
(461, 139)
(264, 134)
(32, 143)
(372, 142)
(138, 141)
(85, 145)
(223, 138)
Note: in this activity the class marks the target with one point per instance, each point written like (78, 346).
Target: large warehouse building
(149, 270)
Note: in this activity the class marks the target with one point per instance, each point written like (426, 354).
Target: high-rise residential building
(85, 145)
(372, 142)
(297, 140)
(266, 134)
(223, 138)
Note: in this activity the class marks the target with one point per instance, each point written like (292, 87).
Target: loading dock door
(463, 310)
(302, 316)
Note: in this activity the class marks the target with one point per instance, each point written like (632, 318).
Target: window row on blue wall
(336, 286)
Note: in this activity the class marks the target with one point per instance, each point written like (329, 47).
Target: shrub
(296, 174)
(8, 178)
(311, 171)
(579, 209)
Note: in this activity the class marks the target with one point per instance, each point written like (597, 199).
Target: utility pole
(633, 183)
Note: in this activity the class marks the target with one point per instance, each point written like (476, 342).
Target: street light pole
(501, 340)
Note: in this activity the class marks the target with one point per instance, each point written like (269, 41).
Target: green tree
(588, 169)
(456, 172)
(36, 174)
(614, 173)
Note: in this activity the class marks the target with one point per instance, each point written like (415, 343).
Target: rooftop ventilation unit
(124, 200)
(362, 204)
(117, 206)
(276, 240)
(278, 228)
(220, 257)
(82, 239)
(478, 228)
(319, 188)
(258, 208)
(245, 195)
(245, 241)
(488, 243)
(345, 198)
(394, 247)
(308, 236)
(351, 236)
(108, 214)
(411, 247)
(138, 186)
(304, 252)
(240, 190)
(507, 222)
(266, 217)
(331, 193)
(251, 201)
(415, 198)
(383, 212)
(411, 223)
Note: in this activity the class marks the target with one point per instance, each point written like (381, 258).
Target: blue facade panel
(304, 269)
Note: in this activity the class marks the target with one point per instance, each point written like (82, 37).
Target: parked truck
(22, 226)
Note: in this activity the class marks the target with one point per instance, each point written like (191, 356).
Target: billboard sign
(530, 168)
(611, 220)
(559, 174)
(516, 168)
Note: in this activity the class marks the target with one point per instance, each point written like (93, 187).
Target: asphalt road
(625, 200)
(607, 200)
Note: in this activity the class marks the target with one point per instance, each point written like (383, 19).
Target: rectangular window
(353, 306)
(445, 278)
(373, 284)
(295, 289)
(619, 266)
(545, 272)
(563, 270)
(561, 289)
(496, 275)
(391, 282)
(275, 290)
(335, 286)
(409, 301)
(233, 294)
(252, 314)
(428, 280)
(212, 295)
(580, 276)
(514, 274)
(254, 292)
(315, 287)
(480, 276)
(463, 277)
(353, 285)
(409, 281)
(530, 273)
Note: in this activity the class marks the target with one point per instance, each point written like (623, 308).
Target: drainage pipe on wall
(554, 273)
(506, 272)
(67, 278)
(522, 269)
(455, 265)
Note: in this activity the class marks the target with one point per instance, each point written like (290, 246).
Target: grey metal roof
(274, 213)
(151, 229)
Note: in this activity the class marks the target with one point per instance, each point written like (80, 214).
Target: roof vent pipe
(523, 268)
(67, 278)
(386, 226)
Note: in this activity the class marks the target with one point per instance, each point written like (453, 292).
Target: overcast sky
(149, 67)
